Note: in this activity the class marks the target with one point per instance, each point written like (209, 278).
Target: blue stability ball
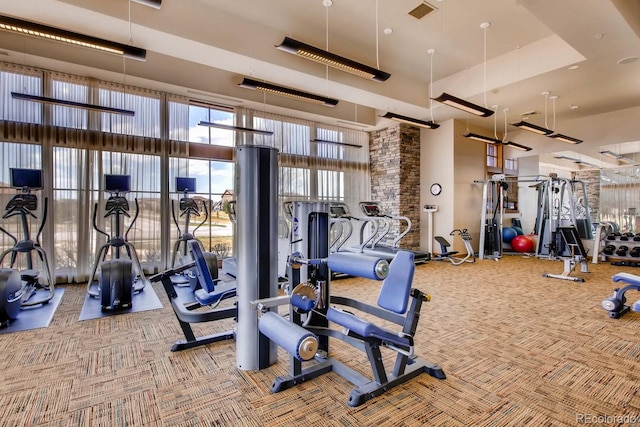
(508, 233)
(518, 230)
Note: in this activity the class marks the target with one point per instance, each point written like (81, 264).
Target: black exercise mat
(39, 316)
(142, 301)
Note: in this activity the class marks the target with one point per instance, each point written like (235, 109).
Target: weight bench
(616, 304)
(571, 239)
(211, 293)
(396, 295)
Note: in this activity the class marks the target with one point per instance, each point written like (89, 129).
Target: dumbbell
(622, 250)
(609, 250)
(636, 238)
(635, 252)
(611, 236)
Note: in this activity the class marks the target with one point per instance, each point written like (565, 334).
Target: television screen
(184, 184)
(117, 183)
(30, 178)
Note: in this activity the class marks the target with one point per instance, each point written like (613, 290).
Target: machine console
(370, 209)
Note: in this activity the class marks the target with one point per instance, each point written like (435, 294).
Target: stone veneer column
(591, 178)
(395, 177)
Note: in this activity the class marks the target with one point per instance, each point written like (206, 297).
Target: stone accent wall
(395, 177)
(591, 178)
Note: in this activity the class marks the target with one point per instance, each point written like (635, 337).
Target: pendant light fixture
(508, 143)
(329, 59)
(559, 136)
(248, 83)
(483, 138)
(19, 26)
(416, 122)
(462, 104)
(151, 3)
(546, 131)
(65, 103)
(235, 128)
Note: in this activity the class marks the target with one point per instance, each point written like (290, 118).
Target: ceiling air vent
(422, 10)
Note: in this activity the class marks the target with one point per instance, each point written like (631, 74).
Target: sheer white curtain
(335, 170)
(76, 147)
(620, 197)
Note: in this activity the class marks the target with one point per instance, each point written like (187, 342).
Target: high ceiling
(203, 49)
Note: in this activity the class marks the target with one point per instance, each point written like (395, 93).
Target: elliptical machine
(19, 289)
(116, 284)
(188, 208)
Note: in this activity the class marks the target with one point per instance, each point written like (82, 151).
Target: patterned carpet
(517, 348)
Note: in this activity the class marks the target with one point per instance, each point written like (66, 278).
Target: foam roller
(299, 342)
(303, 303)
(359, 265)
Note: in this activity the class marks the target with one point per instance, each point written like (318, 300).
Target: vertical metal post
(257, 256)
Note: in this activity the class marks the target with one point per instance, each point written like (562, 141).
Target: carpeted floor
(518, 349)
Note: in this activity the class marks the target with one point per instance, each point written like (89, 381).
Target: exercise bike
(446, 254)
(188, 208)
(116, 284)
(19, 289)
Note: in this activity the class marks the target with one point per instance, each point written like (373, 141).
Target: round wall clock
(436, 189)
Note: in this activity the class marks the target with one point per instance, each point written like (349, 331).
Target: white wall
(436, 166)
(454, 162)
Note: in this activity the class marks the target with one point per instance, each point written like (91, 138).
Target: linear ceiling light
(236, 128)
(151, 3)
(611, 154)
(616, 156)
(482, 138)
(326, 141)
(18, 26)
(288, 92)
(565, 138)
(517, 146)
(65, 103)
(467, 106)
(411, 121)
(463, 105)
(574, 160)
(532, 128)
(331, 59)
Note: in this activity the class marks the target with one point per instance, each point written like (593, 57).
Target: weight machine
(561, 203)
(306, 335)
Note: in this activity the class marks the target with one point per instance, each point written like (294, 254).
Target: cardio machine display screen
(338, 211)
(29, 178)
(117, 183)
(371, 210)
(185, 185)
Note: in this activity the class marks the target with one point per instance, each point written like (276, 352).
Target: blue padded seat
(394, 296)
(366, 329)
(211, 291)
(629, 278)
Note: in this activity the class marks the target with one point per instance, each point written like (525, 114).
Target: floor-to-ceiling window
(76, 147)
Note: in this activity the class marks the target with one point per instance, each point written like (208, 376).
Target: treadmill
(373, 210)
(340, 216)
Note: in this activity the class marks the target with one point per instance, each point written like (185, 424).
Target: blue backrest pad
(396, 288)
(206, 281)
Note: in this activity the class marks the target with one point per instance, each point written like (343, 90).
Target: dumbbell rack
(618, 243)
